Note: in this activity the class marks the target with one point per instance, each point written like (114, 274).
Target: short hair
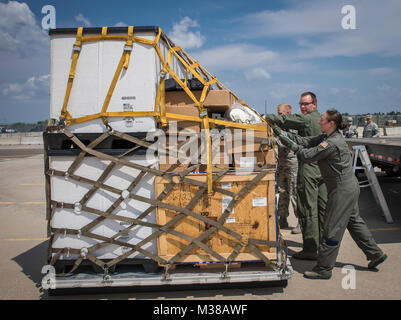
(284, 105)
(313, 96)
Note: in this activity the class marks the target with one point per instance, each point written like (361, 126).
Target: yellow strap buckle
(128, 47)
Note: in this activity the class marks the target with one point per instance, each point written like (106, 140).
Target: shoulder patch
(323, 144)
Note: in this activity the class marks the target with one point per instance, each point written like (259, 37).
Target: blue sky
(262, 50)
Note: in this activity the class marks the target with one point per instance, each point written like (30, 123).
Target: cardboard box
(181, 98)
(218, 100)
(259, 158)
(252, 141)
(188, 110)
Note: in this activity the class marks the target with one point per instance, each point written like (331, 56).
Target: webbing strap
(106, 241)
(222, 219)
(162, 98)
(180, 54)
(84, 231)
(71, 75)
(82, 154)
(123, 61)
(171, 180)
(128, 47)
(155, 172)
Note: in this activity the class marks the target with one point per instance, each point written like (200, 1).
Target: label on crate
(226, 186)
(259, 202)
(230, 220)
(247, 162)
(225, 201)
(125, 249)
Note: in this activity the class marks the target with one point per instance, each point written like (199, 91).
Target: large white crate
(136, 87)
(66, 190)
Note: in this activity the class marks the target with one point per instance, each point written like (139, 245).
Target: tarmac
(23, 245)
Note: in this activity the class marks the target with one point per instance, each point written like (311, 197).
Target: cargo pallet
(184, 278)
(164, 269)
(108, 204)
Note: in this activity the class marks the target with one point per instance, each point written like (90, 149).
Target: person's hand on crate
(277, 130)
(288, 142)
(270, 118)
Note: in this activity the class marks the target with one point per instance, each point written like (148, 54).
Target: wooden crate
(253, 217)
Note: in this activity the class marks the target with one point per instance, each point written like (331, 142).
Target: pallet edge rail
(205, 185)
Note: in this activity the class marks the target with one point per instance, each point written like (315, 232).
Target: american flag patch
(324, 144)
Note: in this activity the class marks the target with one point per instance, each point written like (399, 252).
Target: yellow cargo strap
(162, 89)
(71, 75)
(238, 241)
(190, 65)
(128, 47)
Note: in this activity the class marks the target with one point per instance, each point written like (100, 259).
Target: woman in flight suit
(342, 212)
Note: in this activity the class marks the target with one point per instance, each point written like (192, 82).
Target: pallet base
(140, 265)
(190, 277)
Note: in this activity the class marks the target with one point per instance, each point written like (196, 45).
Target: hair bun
(343, 125)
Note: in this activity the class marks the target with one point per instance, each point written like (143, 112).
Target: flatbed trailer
(384, 152)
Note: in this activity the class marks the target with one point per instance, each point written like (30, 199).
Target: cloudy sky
(262, 50)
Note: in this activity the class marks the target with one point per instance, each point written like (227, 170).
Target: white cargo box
(65, 190)
(136, 87)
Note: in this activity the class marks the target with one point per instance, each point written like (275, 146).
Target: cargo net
(200, 193)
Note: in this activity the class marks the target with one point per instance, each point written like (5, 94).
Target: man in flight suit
(334, 159)
(311, 190)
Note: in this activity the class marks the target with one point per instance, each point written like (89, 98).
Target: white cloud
(121, 24)
(184, 38)
(81, 18)
(32, 88)
(381, 71)
(288, 91)
(256, 73)
(234, 57)
(255, 62)
(385, 88)
(316, 28)
(305, 19)
(20, 34)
